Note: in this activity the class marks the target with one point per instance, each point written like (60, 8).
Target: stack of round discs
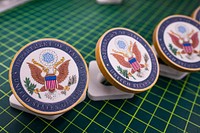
(176, 40)
(126, 60)
(196, 14)
(48, 76)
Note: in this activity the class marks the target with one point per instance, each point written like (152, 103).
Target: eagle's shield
(187, 48)
(51, 83)
(134, 63)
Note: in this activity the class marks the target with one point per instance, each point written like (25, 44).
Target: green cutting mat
(170, 106)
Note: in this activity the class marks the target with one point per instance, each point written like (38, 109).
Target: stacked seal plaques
(48, 76)
(176, 40)
(126, 60)
(196, 14)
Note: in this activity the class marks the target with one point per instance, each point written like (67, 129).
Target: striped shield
(134, 63)
(187, 48)
(50, 83)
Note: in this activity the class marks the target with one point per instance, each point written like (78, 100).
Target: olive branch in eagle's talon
(125, 73)
(174, 50)
(30, 86)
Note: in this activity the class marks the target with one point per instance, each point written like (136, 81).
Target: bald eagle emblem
(184, 40)
(49, 73)
(130, 57)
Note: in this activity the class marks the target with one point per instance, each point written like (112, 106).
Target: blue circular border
(41, 106)
(197, 17)
(162, 44)
(134, 85)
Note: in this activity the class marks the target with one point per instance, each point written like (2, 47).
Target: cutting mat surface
(170, 106)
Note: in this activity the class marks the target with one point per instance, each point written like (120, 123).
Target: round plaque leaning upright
(48, 76)
(126, 60)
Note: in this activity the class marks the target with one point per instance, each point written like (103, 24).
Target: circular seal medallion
(176, 40)
(196, 14)
(48, 76)
(126, 60)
